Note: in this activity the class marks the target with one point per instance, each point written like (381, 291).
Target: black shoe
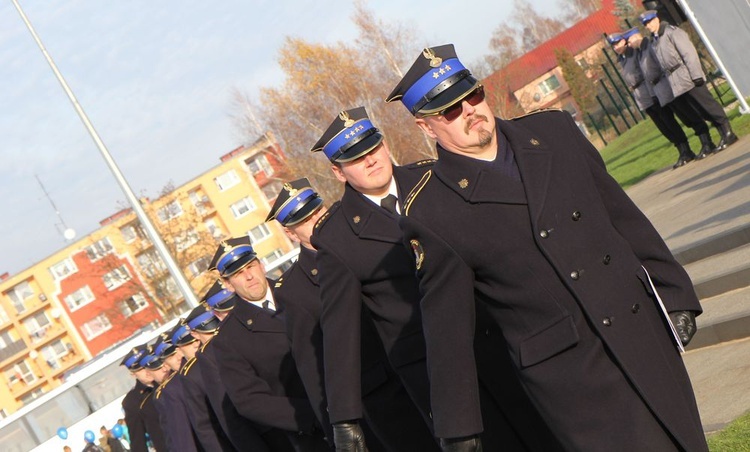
(726, 140)
(686, 155)
(707, 146)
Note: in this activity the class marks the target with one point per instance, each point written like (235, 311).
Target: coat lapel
(307, 265)
(367, 220)
(534, 159)
(257, 319)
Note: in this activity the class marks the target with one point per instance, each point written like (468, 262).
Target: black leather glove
(699, 82)
(464, 444)
(684, 323)
(348, 437)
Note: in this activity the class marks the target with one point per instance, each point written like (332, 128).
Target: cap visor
(363, 147)
(238, 265)
(306, 210)
(450, 96)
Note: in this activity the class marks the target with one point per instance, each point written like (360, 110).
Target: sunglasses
(454, 111)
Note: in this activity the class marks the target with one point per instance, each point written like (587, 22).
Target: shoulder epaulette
(203, 347)
(421, 163)
(321, 221)
(186, 367)
(145, 399)
(415, 191)
(534, 112)
(164, 384)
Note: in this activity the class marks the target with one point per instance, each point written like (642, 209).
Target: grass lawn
(643, 150)
(734, 438)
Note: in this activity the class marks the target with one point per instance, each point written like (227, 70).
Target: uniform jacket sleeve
(135, 423)
(199, 410)
(448, 319)
(687, 52)
(253, 397)
(341, 294)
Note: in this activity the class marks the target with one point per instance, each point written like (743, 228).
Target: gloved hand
(698, 82)
(464, 444)
(684, 323)
(348, 437)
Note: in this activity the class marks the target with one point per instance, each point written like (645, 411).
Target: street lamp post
(174, 269)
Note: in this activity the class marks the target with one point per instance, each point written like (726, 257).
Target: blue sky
(155, 79)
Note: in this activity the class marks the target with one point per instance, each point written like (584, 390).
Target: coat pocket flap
(548, 342)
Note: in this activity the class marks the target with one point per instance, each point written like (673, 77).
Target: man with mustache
(519, 223)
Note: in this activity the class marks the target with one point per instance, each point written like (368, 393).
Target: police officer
(260, 375)
(141, 417)
(681, 66)
(243, 434)
(520, 218)
(205, 423)
(170, 397)
(362, 263)
(646, 99)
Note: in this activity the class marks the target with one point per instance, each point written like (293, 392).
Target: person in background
(681, 67)
(645, 98)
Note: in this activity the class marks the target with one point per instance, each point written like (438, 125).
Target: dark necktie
(266, 305)
(389, 204)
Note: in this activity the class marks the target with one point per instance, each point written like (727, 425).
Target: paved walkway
(703, 205)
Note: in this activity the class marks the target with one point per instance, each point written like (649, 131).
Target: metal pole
(172, 266)
(744, 108)
(617, 131)
(598, 132)
(614, 104)
(619, 93)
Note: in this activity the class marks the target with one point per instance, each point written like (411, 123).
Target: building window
(133, 304)
(272, 189)
(549, 85)
(151, 263)
(259, 233)
(583, 64)
(167, 289)
(227, 180)
(131, 232)
(171, 210)
(80, 297)
(116, 277)
(99, 249)
(96, 326)
(3, 316)
(213, 228)
(242, 207)
(53, 353)
(37, 326)
(63, 268)
(33, 395)
(185, 240)
(272, 257)
(19, 371)
(200, 201)
(18, 294)
(199, 266)
(258, 165)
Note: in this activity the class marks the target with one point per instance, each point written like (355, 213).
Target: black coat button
(607, 321)
(575, 275)
(636, 307)
(543, 233)
(576, 215)
(607, 258)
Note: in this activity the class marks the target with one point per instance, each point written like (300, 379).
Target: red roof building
(535, 80)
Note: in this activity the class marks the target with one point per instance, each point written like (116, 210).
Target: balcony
(12, 350)
(46, 333)
(31, 305)
(205, 207)
(21, 386)
(65, 363)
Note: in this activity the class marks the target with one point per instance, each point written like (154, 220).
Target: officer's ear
(292, 235)
(336, 168)
(423, 124)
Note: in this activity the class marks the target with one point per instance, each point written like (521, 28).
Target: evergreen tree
(581, 87)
